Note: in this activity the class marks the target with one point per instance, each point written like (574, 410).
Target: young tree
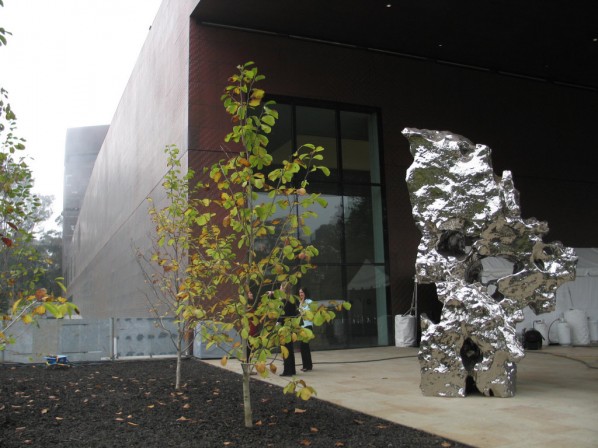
(34, 258)
(165, 267)
(21, 266)
(254, 237)
(19, 212)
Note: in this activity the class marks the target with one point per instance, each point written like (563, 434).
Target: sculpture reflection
(487, 262)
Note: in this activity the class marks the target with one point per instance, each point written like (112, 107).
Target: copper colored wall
(535, 129)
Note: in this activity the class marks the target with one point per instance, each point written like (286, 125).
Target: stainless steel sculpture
(472, 231)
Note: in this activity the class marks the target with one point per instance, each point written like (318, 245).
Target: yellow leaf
(256, 97)
(27, 318)
(257, 93)
(223, 361)
(305, 393)
(284, 351)
(260, 367)
(15, 306)
(273, 368)
(40, 310)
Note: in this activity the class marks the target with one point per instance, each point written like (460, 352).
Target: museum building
(349, 76)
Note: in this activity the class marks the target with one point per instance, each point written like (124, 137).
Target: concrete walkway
(556, 404)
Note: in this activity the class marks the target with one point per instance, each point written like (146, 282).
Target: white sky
(66, 65)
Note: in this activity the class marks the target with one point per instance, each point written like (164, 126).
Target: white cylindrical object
(405, 331)
(540, 326)
(578, 321)
(564, 333)
(593, 330)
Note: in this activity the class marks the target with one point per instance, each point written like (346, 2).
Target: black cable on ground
(92, 363)
(367, 360)
(581, 361)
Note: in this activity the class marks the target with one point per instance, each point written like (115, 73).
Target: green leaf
(269, 120)
(319, 319)
(324, 170)
(244, 333)
(53, 310)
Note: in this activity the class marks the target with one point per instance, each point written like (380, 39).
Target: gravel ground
(133, 403)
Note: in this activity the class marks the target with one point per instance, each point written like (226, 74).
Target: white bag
(405, 331)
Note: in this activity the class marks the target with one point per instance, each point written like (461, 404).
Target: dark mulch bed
(133, 403)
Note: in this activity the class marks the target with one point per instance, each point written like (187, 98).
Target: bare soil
(134, 404)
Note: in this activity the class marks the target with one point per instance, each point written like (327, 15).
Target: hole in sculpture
(464, 148)
(473, 273)
(470, 386)
(489, 270)
(452, 243)
(470, 354)
(539, 264)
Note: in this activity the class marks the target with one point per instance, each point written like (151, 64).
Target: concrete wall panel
(89, 340)
(152, 113)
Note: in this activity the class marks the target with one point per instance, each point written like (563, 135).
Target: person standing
(304, 302)
(290, 310)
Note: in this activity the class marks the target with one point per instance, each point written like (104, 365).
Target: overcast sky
(66, 65)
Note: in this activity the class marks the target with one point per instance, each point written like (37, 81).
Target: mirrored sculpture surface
(487, 262)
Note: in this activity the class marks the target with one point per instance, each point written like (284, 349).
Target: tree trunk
(247, 396)
(177, 383)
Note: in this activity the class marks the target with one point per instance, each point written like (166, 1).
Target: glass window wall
(349, 232)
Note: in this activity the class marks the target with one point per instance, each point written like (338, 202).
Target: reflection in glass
(325, 284)
(280, 146)
(326, 228)
(348, 233)
(264, 244)
(363, 224)
(317, 126)
(359, 147)
(366, 290)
